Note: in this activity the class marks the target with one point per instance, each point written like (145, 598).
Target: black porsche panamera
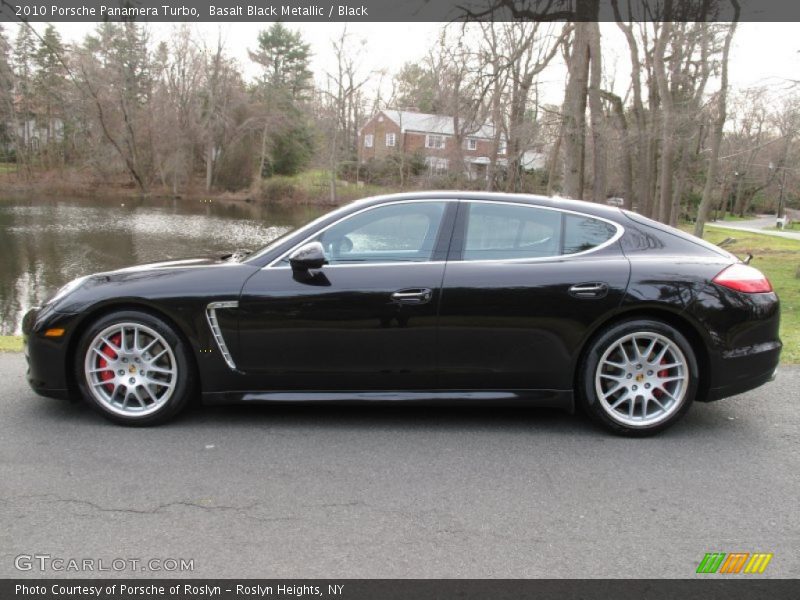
(431, 297)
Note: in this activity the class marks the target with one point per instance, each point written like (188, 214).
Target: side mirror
(308, 256)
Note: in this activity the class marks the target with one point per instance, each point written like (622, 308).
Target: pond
(47, 241)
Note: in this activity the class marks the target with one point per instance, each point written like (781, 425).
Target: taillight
(743, 278)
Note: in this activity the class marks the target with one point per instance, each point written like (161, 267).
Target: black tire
(609, 340)
(178, 358)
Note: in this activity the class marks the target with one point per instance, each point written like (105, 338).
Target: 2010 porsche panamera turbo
(430, 297)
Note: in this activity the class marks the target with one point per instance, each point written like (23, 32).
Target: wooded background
(179, 115)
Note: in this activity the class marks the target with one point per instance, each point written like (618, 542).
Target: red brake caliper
(662, 373)
(102, 362)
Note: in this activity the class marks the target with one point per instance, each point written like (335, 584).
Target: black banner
(396, 10)
(734, 588)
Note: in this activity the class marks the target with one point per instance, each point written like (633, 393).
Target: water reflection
(45, 242)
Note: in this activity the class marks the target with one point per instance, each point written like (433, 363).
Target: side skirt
(545, 398)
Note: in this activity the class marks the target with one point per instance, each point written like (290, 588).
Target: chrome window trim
(216, 332)
(395, 263)
(620, 231)
(353, 214)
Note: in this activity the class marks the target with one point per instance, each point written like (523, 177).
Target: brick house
(392, 131)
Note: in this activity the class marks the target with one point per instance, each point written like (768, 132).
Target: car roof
(592, 208)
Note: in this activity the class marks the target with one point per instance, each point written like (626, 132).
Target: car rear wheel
(133, 368)
(639, 377)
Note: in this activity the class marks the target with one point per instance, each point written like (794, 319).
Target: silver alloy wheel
(642, 379)
(130, 369)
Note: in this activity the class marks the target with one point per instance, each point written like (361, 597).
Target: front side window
(368, 140)
(390, 139)
(405, 232)
(471, 144)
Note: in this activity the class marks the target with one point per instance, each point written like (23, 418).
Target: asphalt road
(763, 224)
(262, 491)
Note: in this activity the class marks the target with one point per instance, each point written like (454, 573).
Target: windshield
(289, 234)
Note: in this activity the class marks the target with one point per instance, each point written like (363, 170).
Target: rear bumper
(741, 332)
(747, 371)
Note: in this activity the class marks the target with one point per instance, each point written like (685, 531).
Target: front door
(365, 321)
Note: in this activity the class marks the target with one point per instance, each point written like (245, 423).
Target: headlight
(67, 289)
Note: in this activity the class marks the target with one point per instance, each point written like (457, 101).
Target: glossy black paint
(495, 331)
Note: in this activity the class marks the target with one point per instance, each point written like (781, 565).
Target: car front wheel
(639, 377)
(133, 368)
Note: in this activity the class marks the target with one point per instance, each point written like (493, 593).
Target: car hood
(171, 264)
(150, 280)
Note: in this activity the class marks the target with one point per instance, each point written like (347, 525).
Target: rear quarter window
(584, 233)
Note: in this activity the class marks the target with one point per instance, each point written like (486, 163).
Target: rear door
(522, 286)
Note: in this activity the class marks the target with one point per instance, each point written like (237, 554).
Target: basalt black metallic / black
(434, 297)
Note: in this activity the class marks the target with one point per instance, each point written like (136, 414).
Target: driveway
(758, 225)
(301, 491)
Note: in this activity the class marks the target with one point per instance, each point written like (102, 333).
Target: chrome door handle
(589, 290)
(412, 296)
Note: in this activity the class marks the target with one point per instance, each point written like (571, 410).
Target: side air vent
(211, 315)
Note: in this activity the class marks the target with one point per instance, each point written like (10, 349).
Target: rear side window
(503, 231)
(497, 231)
(584, 233)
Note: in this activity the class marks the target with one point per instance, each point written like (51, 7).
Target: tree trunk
(209, 165)
(716, 135)
(263, 159)
(599, 157)
(575, 112)
(661, 210)
(625, 146)
(677, 193)
(551, 174)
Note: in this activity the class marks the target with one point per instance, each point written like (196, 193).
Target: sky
(763, 54)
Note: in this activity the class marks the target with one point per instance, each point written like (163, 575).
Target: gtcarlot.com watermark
(47, 563)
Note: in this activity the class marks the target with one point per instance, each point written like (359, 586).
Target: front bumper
(47, 357)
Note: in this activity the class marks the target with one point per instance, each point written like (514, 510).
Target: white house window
(368, 140)
(471, 144)
(502, 147)
(434, 141)
(436, 165)
(390, 139)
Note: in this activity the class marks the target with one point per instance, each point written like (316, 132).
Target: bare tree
(719, 124)
(114, 74)
(219, 89)
(529, 49)
(7, 116)
(176, 98)
(344, 101)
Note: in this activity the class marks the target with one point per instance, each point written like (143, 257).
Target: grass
(779, 260)
(8, 167)
(10, 343)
